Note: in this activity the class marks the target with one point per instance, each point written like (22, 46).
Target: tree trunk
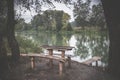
(111, 10)
(3, 59)
(11, 32)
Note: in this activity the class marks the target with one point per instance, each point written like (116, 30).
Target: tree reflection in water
(88, 43)
(92, 44)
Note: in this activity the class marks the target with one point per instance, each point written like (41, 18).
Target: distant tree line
(49, 20)
(85, 16)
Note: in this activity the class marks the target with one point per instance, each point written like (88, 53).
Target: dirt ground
(42, 71)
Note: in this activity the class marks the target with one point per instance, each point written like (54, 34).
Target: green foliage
(97, 16)
(87, 42)
(21, 25)
(92, 43)
(81, 12)
(87, 16)
(58, 18)
(51, 20)
(27, 45)
(69, 28)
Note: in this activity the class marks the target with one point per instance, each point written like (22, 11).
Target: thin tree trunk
(11, 32)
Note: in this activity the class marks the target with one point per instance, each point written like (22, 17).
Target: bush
(26, 45)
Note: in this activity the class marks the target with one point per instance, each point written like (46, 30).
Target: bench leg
(32, 62)
(96, 63)
(90, 64)
(69, 62)
(50, 60)
(50, 63)
(61, 68)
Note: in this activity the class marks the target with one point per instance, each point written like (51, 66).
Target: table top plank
(59, 48)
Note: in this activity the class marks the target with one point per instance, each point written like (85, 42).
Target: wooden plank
(59, 48)
(93, 59)
(45, 56)
(60, 59)
(65, 55)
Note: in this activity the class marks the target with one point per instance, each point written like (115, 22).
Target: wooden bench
(56, 58)
(93, 59)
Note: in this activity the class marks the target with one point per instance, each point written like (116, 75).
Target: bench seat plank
(45, 56)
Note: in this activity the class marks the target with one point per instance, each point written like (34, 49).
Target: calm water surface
(87, 43)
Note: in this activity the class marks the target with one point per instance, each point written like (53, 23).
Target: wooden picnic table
(52, 57)
(62, 49)
(58, 48)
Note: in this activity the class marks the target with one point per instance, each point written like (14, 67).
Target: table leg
(50, 52)
(69, 62)
(63, 54)
(50, 60)
(62, 64)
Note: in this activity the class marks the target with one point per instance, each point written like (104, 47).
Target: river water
(87, 43)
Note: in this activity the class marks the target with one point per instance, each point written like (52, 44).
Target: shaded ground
(42, 71)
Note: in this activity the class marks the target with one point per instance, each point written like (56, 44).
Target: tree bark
(111, 11)
(3, 59)
(11, 31)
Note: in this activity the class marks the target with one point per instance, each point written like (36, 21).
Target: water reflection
(91, 44)
(87, 43)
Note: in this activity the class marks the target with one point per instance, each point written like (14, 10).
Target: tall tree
(97, 16)
(58, 18)
(3, 53)
(81, 12)
(11, 30)
(51, 20)
(8, 30)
